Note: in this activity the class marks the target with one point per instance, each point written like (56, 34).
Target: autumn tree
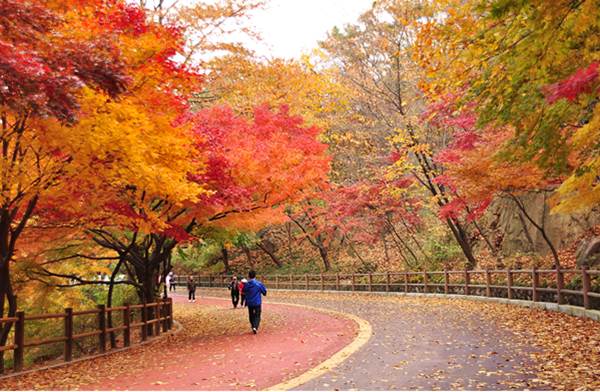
(476, 173)
(363, 213)
(142, 153)
(374, 58)
(241, 81)
(247, 184)
(531, 66)
(145, 242)
(206, 173)
(211, 29)
(128, 158)
(45, 67)
(528, 71)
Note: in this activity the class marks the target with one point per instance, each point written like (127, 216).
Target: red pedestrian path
(302, 340)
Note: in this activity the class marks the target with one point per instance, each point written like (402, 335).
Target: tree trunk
(414, 238)
(267, 247)
(407, 264)
(461, 237)
(8, 239)
(225, 257)
(10, 230)
(323, 252)
(7, 296)
(324, 257)
(489, 244)
(394, 232)
(428, 171)
(386, 252)
(109, 303)
(290, 240)
(316, 242)
(539, 227)
(248, 254)
(147, 259)
(526, 230)
(149, 289)
(351, 245)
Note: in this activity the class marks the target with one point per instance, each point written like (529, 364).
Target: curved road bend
(423, 344)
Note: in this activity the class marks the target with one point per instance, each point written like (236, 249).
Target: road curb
(364, 334)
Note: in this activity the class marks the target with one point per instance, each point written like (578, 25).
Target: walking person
(254, 290)
(241, 289)
(172, 285)
(191, 284)
(168, 282)
(235, 291)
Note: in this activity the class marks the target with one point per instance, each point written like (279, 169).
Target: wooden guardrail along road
(154, 318)
(578, 287)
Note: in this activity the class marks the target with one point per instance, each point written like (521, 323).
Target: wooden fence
(579, 287)
(150, 318)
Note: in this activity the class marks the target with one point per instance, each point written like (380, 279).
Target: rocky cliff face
(514, 233)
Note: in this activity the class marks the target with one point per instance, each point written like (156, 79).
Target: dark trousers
(235, 297)
(243, 301)
(254, 313)
(172, 287)
(192, 294)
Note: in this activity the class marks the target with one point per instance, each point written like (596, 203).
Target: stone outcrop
(588, 254)
(519, 235)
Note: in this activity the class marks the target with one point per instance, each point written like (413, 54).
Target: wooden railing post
(387, 281)
(560, 285)
(127, 324)
(306, 281)
(170, 321)
(586, 287)
(353, 282)
(488, 283)
(144, 322)
(467, 281)
(535, 283)
(446, 281)
(322, 283)
(157, 318)
(277, 281)
(337, 281)
(425, 288)
(370, 281)
(165, 314)
(509, 284)
(68, 334)
(291, 282)
(406, 282)
(102, 328)
(19, 350)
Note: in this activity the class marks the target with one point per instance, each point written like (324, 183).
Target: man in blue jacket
(253, 290)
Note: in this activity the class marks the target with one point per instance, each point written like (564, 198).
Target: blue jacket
(253, 290)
